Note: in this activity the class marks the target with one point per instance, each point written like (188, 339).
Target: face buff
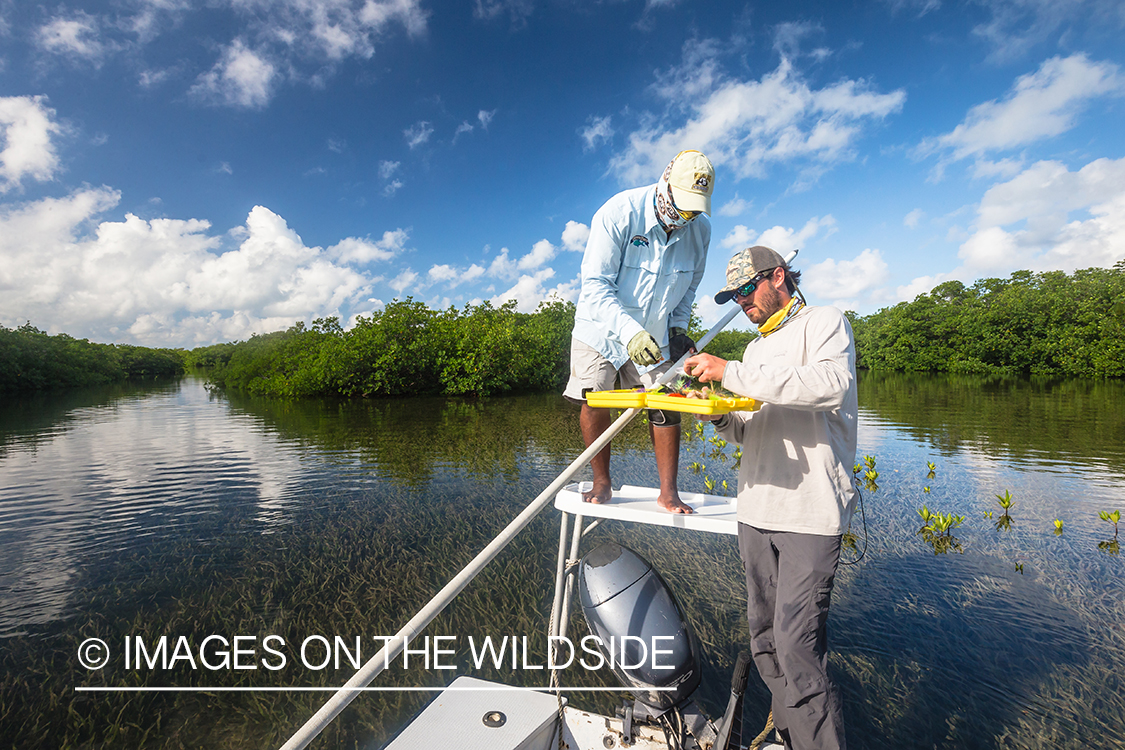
(781, 317)
(665, 209)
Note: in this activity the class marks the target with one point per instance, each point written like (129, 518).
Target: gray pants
(789, 581)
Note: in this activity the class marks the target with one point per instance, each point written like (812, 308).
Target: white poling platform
(456, 719)
(713, 513)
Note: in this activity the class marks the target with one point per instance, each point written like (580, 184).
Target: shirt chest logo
(639, 241)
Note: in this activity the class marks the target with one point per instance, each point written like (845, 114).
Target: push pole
(392, 648)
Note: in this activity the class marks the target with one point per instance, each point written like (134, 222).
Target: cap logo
(639, 241)
(702, 182)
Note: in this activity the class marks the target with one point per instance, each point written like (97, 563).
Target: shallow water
(177, 511)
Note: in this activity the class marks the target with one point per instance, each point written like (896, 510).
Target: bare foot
(601, 493)
(673, 504)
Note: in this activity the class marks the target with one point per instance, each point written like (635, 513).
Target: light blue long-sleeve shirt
(635, 277)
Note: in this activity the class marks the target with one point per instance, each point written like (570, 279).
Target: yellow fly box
(621, 399)
(701, 405)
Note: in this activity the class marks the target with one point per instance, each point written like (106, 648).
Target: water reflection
(129, 470)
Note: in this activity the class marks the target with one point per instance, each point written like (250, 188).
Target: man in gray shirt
(795, 491)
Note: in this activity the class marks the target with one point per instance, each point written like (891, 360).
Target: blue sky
(177, 173)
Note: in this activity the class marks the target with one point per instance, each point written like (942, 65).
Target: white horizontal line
(357, 689)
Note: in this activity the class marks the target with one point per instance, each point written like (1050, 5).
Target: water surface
(179, 511)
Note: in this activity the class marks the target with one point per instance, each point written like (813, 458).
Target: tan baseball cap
(693, 180)
(745, 265)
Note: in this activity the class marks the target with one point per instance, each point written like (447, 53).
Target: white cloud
(1016, 26)
(294, 40)
(542, 252)
(782, 239)
(531, 289)
(738, 238)
(241, 78)
(406, 278)
(356, 250)
(745, 126)
(26, 127)
(75, 37)
(443, 272)
(163, 282)
(735, 206)
(485, 117)
(598, 130)
(1026, 223)
(987, 169)
(1040, 105)
(502, 267)
(376, 15)
(575, 236)
(388, 168)
(787, 37)
(848, 283)
(517, 10)
(418, 133)
(464, 127)
(911, 220)
(920, 285)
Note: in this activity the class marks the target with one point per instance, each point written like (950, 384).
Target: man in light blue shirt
(644, 259)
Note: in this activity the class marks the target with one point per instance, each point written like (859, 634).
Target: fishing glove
(679, 343)
(644, 350)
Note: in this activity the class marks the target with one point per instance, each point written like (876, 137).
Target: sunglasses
(748, 288)
(685, 215)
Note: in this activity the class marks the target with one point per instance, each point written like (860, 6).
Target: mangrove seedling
(1113, 518)
(709, 483)
(1058, 527)
(1004, 522)
(1110, 545)
(1019, 568)
(926, 490)
(930, 465)
(937, 530)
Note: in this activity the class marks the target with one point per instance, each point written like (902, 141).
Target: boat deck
(712, 513)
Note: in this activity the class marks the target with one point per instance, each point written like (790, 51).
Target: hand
(706, 368)
(679, 343)
(644, 350)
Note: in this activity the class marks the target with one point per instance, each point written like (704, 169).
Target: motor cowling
(631, 610)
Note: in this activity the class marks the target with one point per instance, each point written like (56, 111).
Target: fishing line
(863, 518)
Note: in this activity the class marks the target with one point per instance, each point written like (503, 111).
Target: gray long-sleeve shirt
(798, 450)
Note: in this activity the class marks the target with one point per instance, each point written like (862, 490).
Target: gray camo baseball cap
(744, 266)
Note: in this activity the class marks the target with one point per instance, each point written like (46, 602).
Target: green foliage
(1029, 324)
(937, 530)
(406, 349)
(730, 345)
(1113, 518)
(30, 360)
(1004, 522)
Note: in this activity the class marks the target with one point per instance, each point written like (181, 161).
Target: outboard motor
(631, 610)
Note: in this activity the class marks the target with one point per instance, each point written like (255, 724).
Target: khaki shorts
(590, 371)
